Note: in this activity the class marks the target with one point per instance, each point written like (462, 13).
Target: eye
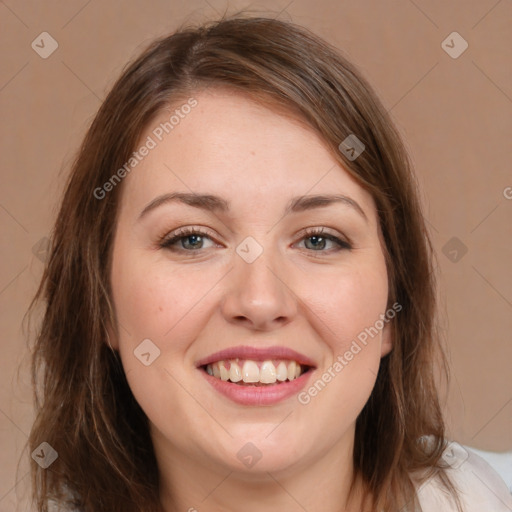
(193, 239)
(319, 240)
(186, 239)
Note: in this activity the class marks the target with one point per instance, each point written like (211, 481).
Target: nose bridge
(259, 293)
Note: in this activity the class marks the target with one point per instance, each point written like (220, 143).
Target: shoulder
(480, 486)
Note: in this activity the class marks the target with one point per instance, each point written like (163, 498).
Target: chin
(263, 453)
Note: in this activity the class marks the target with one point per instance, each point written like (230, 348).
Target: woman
(240, 299)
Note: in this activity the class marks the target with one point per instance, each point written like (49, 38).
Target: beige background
(455, 115)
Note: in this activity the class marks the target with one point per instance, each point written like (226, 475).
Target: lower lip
(258, 395)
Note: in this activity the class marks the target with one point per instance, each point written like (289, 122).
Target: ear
(387, 338)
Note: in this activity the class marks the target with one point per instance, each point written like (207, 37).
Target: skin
(191, 304)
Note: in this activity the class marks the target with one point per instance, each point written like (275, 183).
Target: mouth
(257, 376)
(249, 372)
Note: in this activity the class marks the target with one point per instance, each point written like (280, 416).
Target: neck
(190, 485)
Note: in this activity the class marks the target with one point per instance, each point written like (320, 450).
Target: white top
(481, 488)
(500, 461)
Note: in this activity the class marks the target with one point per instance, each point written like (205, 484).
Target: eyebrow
(214, 203)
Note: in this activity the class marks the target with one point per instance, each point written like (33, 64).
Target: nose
(258, 295)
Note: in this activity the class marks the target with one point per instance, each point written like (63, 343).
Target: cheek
(347, 310)
(154, 300)
(350, 304)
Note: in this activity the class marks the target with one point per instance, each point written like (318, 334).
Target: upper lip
(256, 354)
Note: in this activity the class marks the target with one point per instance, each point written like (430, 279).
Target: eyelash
(168, 241)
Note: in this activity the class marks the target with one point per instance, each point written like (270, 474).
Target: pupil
(316, 239)
(196, 239)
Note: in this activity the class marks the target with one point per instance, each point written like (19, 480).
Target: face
(256, 271)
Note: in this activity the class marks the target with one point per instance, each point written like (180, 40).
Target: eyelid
(186, 231)
(169, 239)
(343, 241)
(323, 230)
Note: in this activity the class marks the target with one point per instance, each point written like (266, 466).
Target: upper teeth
(266, 372)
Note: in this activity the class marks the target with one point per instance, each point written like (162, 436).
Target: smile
(257, 375)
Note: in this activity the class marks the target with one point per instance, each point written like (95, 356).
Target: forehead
(229, 145)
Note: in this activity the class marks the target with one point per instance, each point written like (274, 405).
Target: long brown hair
(84, 407)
